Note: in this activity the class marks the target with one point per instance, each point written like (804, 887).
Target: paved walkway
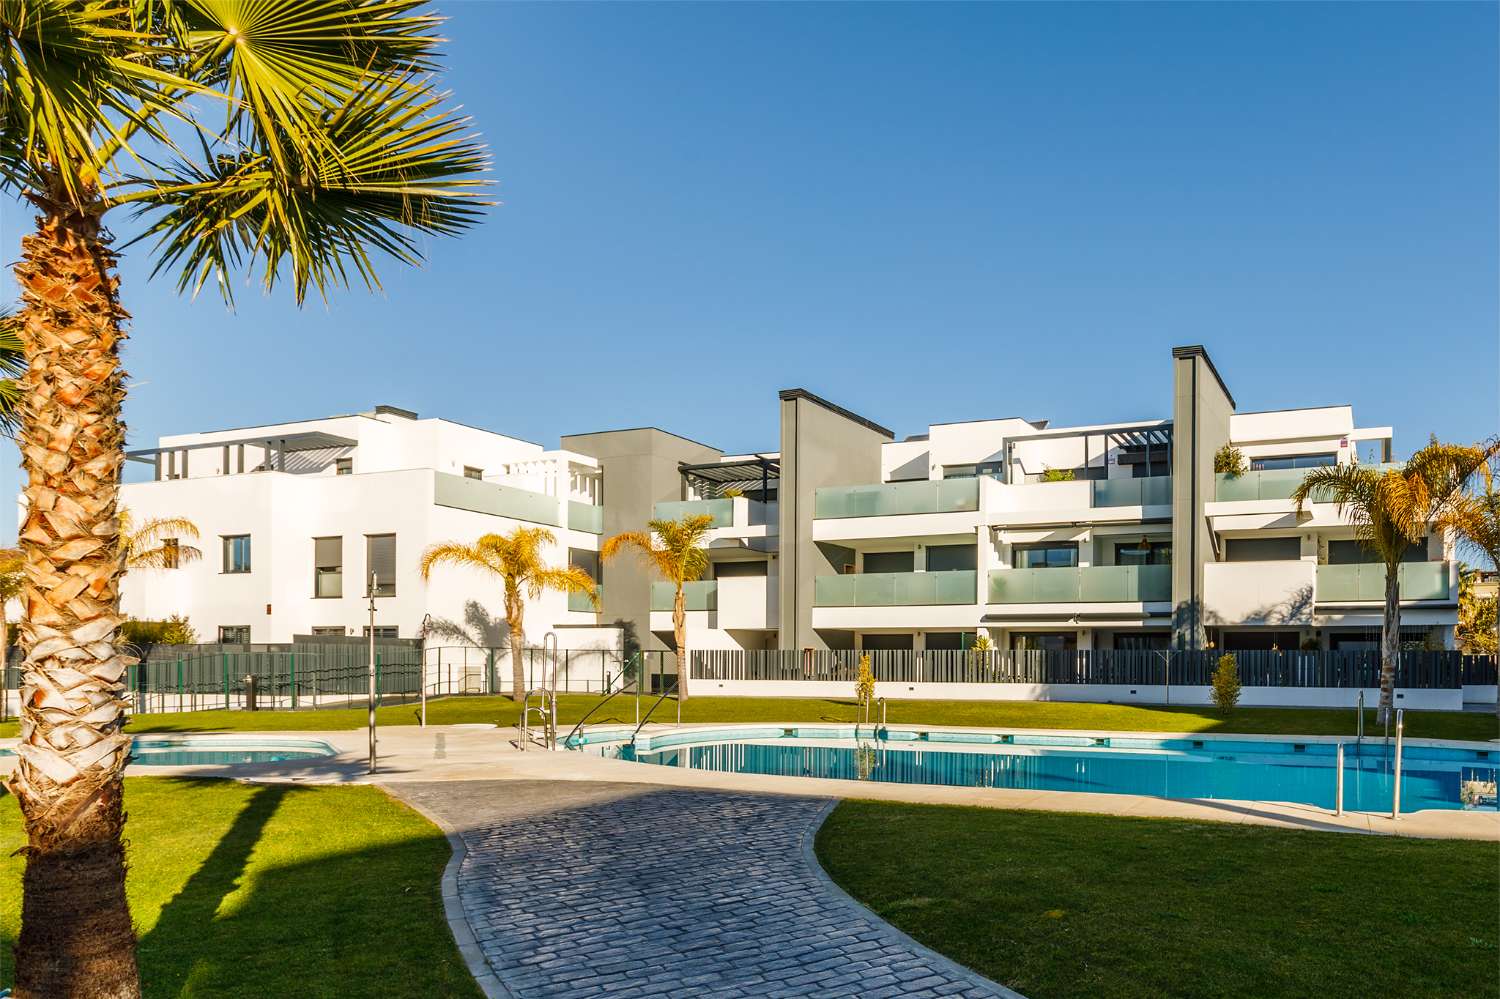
(623, 890)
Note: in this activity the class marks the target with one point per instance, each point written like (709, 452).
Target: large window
(942, 558)
(588, 561)
(1142, 641)
(889, 561)
(729, 570)
(948, 641)
(1043, 556)
(236, 552)
(380, 565)
(1044, 641)
(1354, 553)
(1275, 461)
(328, 567)
(234, 634)
(1263, 549)
(1144, 553)
(886, 643)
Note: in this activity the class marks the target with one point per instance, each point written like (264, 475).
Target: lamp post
(374, 582)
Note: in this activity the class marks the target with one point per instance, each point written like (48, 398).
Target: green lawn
(272, 891)
(1062, 906)
(992, 714)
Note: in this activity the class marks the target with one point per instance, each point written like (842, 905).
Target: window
(470, 472)
(329, 631)
(1292, 461)
(1261, 641)
(1142, 641)
(952, 641)
(380, 564)
(1263, 549)
(382, 631)
(728, 570)
(889, 561)
(343, 466)
(587, 560)
(890, 643)
(1044, 641)
(236, 552)
(1043, 556)
(234, 634)
(170, 553)
(944, 558)
(328, 567)
(1352, 553)
(1144, 553)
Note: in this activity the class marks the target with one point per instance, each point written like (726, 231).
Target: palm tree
(145, 546)
(290, 139)
(1475, 518)
(12, 363)
(10, 588)
(1391, 511)
(674, 549)
(518, 560)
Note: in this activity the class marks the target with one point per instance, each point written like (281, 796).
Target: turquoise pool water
(1432, 777)
(189, 751)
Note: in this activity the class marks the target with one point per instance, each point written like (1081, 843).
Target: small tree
(864, 685)
(1058, 475)
(1226, 683)
(1229, 460)
(674, 549)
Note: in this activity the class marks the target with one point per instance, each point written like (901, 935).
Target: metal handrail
(664, 695)
(548, 710)
(568, 742)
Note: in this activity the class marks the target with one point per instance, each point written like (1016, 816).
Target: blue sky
(925, 213)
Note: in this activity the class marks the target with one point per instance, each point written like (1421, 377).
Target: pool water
(1432, 777)
(192, 751)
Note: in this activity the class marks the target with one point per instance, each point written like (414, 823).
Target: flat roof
(833, 407)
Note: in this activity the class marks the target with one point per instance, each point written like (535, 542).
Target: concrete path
(584, 889)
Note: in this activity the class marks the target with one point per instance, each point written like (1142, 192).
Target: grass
(1059, 906)
(991, 714)
(239, 890)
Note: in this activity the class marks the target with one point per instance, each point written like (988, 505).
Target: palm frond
(12, 366)
(673, 548)
(569, 579)
(454, 553)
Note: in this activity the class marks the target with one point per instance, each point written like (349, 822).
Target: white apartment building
(300, 521)
(1115, 536)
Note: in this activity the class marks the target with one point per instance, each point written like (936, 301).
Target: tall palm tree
(674, 550)
(519, 560)
(1475, 518)
(145, 545)
(1390, 511)
(11, 577)
(291, 139)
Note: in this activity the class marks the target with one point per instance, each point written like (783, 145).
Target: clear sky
(924, 213)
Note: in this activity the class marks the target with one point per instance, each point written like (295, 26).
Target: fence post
(179, 683)
(292, 677)
(225, 657)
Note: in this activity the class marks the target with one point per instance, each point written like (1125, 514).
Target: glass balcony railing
(721, 510)
(586, 518)
(1084, 584)
(894, 498)
(581, 601)
(895, 589)
(1269, 484)
(1365, 581)
(1152, 491)
(464, 493)
(699, 595)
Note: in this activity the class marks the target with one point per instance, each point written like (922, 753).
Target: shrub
(175, 630)
(179, 631)
(864, 683)
(1226, 683)
(982, 643)
(1057, 475)
(1229, 461)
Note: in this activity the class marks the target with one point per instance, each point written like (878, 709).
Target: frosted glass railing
(1083, 584)
(463, 493)
(586, 518)
(581, 601)
(896, 498)
(895, 589)
(721, 510)
(699, 595)
(1365, 581)
(1152, 491)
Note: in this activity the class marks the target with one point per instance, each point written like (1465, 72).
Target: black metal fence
(1417, 669)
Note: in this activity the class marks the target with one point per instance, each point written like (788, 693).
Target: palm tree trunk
(1390, 642)
(679, 639)
(1497, 645)
(76, 936)
(517, 667)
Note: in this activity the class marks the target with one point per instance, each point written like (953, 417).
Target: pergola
(755, 474)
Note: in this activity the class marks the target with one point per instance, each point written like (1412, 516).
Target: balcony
(585, 518)
(895, 589)
(580, 601)
(1084, 584)
(463, 493)
(699, 595)
(1269, 484)
(896, 498)
(1148, 491)
(1365, 582)
(721, 510)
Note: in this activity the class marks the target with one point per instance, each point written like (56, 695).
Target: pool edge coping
(900, 936)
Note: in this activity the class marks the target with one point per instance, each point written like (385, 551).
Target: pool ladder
(546, 709)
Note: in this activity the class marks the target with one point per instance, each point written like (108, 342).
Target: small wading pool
(190, 751)
(1244, 770)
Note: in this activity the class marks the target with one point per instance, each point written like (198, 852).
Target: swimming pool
(188, 751)
(1441, 777)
